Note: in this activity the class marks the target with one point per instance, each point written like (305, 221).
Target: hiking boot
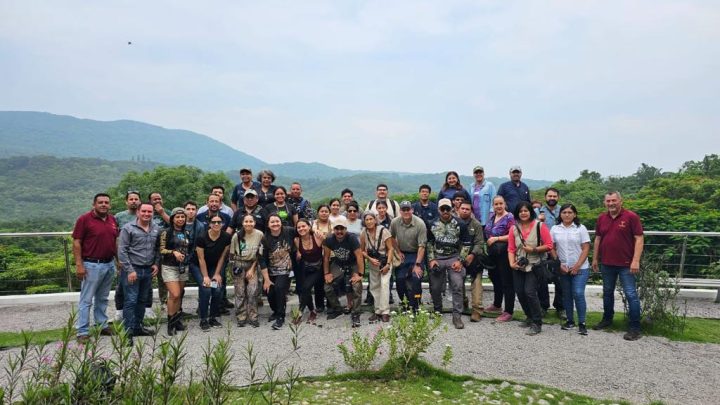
(278, 324)
(385, 317)
(493, 309)
(475, 317)
(562, 315)
(205, 325)
(171, 325)
(582, 329)
(526, 323)
(457, 321)
(241, 323)
(215, 323)
(568, 325)
(633, 334)
(605, 323)
(374, 318)
(504, 317)
(356, 320)
(534, 329)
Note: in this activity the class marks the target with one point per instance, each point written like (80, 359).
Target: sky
(411, 86)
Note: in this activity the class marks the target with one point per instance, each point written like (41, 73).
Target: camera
(522, 261)
(213, 284)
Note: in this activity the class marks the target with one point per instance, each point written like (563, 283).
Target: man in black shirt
(344, 270)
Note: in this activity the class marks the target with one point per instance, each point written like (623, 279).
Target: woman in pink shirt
(529, 242)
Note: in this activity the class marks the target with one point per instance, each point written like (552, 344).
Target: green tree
(176, 184)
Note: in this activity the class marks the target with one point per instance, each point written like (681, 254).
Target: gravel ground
(601, 365)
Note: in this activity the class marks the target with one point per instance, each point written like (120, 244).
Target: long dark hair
(563, 207)
(241, 232)
(527, 205)
(446, 185)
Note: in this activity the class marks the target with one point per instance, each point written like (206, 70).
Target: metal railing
(683, 254)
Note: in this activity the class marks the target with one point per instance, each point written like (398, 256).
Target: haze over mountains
(90, 156)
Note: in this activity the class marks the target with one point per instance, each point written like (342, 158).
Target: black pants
(320, 291)
(503, 286)
(310, 278)
(526, 286)
(277, 296)
(119, 296)
(544, 295)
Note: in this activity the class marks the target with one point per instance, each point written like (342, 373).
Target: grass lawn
(426, 386)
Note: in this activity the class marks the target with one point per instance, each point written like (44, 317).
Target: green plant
(410, 334)
(364, 350)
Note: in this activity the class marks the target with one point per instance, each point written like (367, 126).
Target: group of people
(269, 236)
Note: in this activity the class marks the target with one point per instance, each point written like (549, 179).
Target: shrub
(364, 350)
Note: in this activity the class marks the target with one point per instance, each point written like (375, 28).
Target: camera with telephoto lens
(523, 261)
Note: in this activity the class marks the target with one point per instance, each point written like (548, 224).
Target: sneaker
(374, 318)
(457, 321)
(278, 323)
(534, 330)
(568, 325)
(254, 324)
(475, 317)
(214, 323)
(504, 317)
(526, 323)
(333, 314)
(561, 314)
(632, 335)
(356, 321)
(205, 325)
(582, 329)
(241, 324)
(493, 309)
(272, 318)
(605, 323)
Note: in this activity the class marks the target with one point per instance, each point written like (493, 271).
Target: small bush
(45, 289)
(364, 350)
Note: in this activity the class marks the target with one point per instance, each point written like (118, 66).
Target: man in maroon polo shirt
(617, 250)
(95, 249)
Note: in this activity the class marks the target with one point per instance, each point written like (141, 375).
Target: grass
(424, 385)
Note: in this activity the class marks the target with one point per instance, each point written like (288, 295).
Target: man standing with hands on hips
(94, 249)
(617, 250)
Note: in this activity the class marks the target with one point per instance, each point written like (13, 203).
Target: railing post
(683, 251)
(68, 274)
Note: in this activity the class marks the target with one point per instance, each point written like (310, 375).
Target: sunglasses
(216, 222)
(353, 210)
(445, 208)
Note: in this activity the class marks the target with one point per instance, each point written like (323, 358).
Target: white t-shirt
(568, 241)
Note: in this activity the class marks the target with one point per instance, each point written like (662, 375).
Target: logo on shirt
(622, 225)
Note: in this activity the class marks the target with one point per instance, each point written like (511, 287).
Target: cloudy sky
(387, 85)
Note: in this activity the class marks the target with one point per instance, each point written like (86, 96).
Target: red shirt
(617, 243)
(97, 236)
(544, 235)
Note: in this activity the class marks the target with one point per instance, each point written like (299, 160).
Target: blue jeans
(135, 297)
(409, 285)
(610, 275)
(208, 297)
(574, 291)
(95, 287)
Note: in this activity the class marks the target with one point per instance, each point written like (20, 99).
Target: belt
(95, 260)
(409, 253)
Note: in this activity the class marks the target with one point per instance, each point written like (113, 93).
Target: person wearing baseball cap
(482, 193)
(343, 268)
(246, 183)
(514, 191)
(448, 241)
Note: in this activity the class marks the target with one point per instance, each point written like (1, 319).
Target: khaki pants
(476, 292)
(380, 290)
(246, 297)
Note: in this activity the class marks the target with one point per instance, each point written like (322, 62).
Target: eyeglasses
(216, 222)
(445, 208)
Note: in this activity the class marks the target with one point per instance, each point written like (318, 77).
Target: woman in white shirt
(572, 245)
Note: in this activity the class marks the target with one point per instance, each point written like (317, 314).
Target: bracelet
(417, 264)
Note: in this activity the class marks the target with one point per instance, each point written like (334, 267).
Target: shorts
(172, 274)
